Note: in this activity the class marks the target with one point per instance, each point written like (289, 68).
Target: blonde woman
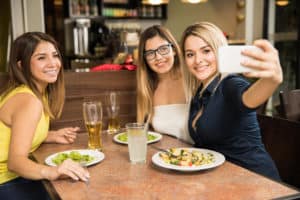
(35, 93)
(222, 113)
(160, 91)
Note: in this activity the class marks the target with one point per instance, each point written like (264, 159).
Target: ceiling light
(282, 2)
(155, 2)
(193, 1)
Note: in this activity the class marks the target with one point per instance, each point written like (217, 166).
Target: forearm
(30, 169)
(51, 137)
(259, 92)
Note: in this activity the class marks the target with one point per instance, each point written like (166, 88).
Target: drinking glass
(92, 115)
(137, 142)
(113, 108)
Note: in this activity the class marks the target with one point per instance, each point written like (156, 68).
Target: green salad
(123, 137)
(74, 155)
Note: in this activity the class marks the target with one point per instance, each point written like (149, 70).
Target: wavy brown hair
(21, 52)
(147, 79)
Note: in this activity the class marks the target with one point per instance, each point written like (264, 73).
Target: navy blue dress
(229, 127)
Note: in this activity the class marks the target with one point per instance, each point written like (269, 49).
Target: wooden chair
(262, 108)
(282, 140)
(290, 104)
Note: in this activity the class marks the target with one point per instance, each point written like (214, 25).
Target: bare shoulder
(21, 104)
(24, 102)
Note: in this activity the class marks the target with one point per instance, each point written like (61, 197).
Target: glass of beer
(137, 142)
(113, 108)
(92, 115)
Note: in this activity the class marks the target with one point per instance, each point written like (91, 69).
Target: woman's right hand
(70, 169)
(268, 71)
(266, 62)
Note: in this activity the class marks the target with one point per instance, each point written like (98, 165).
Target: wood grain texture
(116, 178)
(94, 85)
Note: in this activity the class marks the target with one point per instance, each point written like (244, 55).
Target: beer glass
(92, 115)
(113, 108)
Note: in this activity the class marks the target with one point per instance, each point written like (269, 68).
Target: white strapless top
(172, 120)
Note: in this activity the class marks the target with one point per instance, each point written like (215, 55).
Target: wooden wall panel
(95, 85)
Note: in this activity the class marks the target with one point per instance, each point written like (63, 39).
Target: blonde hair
(21, 52)
(147, 79)
(213, 36)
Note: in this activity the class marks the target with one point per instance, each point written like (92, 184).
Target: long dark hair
(21, 52)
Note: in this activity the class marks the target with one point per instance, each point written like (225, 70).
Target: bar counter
(116, 178)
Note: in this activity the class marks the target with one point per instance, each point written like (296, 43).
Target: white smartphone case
(230, 57)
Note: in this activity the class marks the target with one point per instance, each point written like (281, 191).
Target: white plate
(219, 160)
(98, 156)
(157, 138)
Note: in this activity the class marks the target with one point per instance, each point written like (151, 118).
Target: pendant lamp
(194, 1)
(155, 2)
(282, 2)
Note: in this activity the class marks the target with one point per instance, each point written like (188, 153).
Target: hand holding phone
(230, 58)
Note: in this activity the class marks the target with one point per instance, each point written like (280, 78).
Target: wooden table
(116, 178)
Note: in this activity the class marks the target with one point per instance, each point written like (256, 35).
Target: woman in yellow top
(35, 92)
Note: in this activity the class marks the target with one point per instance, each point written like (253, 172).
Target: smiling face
(200, 58)
(45, 64)
(161, 64)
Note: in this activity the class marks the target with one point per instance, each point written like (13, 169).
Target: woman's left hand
(63, 136)
(265, 62)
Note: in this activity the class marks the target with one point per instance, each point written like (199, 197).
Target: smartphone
(230, 57)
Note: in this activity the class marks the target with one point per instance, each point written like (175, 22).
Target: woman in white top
(160, 91)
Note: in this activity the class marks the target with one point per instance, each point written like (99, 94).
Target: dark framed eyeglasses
(162, 50)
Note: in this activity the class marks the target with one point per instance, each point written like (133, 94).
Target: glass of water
(137, 142)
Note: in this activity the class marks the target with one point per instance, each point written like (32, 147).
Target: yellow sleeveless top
(5, 134)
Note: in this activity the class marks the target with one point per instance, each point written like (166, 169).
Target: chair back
(282, 140)
(290, 104)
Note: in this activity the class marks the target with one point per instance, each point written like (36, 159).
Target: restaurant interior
(99, 40)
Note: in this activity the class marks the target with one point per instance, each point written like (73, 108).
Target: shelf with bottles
(113, 9)
(152, 12)
(132, 9)
(119, 9)
(83, 8)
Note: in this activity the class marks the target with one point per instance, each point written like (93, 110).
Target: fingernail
(84, 179)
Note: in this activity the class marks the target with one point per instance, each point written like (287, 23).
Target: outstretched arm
(268, 71)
